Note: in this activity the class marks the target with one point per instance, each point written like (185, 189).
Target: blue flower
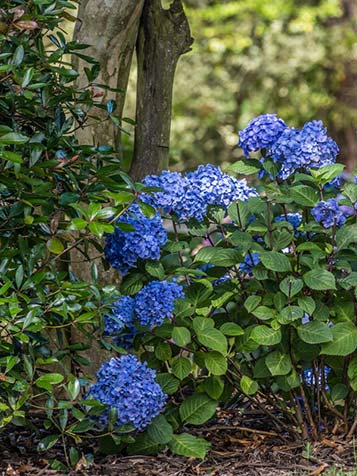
(328, 212)
(155, 302)
(303, 149)
(294, 219)
(261, 133)
(310, 378)
(123, 249)
(129, 386)
(187, 197)
(250, 260)
(122, 315)
(217, 188)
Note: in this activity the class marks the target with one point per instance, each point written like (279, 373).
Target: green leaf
(315, 332)
(168, 383)
(231, 329)
(163, 351)
(159, 430)
(352, 373)
(265, 335)
(275, 261)
(278, 363)
(201, 323)
(181, 368)
(143, 445)
(248, 386)
(155, 269)
(181, 336)
(216, 363)
(291, 286)
(47, 442)
(11, 156)
(344, 341)
(327, 173)
(218, 256)
(304, 195)
(213, 339)
(346, 235)
(252, 302)
(45, 381)
(13, 138)
(197, 409)
(55, 246)
(307, 304)
(319, 279)
(73, 388)
(189, 446)
(214, 387)
(290, 314)
(244, 167)
(264, 313)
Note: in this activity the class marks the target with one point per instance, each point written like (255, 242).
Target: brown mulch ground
(239, 448)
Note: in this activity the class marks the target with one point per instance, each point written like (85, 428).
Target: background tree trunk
(111, 28)
(164, 36)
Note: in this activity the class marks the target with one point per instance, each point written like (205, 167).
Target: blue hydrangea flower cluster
(293, 148)
(121, 315)
(217, 188)
(123, 249)
(328, 212)
(250, 260)
(129, 386)
(188, 196)
(294, 219)
(261, 133)
(155, 302)
(307, 148)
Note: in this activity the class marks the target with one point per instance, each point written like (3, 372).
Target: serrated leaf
(291, 286)
(214, 387)
(213, 339)
(275, 261)
(346, 235)
(216, 363)
(265, 335)
(320, 280)
(278, 363)
(218, 256)
(315, 332)
(197, 409)
(159, 430)
(248, 386)
(344, 335)
(252, 302)
(181, 336)
(181, 368)
(304, 195)
(189, 446)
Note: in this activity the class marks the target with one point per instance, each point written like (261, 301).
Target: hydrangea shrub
(266, 312)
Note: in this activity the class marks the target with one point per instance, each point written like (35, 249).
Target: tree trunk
(164, 35)
(111, 28)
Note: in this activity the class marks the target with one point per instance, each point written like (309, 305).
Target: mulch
(246, 446)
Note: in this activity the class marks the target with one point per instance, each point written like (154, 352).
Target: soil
(239, 448)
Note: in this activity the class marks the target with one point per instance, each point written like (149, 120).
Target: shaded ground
(237, 450)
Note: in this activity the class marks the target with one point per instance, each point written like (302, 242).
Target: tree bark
(111, 28)
(164, 35)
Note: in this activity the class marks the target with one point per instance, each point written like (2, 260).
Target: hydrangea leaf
(197, 409)
(189, 446)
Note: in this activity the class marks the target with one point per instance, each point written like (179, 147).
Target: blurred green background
(292, 57)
